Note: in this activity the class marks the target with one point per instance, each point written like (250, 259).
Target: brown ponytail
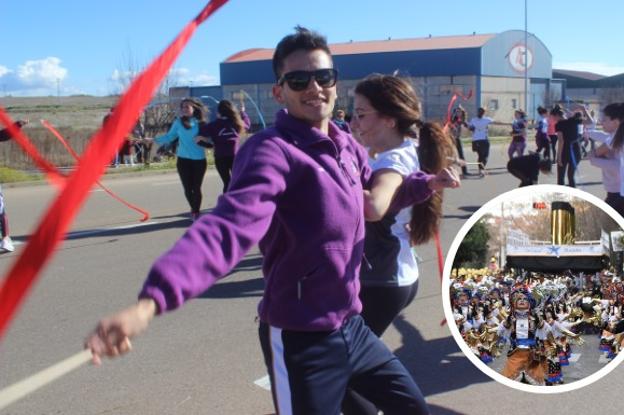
(435, 147)
(227, 110)
(615, 111)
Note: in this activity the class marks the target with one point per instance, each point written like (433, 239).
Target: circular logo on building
(520, 57)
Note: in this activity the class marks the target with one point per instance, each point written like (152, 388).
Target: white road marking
(603, 359)
(264, 383)
(574, 358)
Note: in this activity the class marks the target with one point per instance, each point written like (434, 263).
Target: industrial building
(486, 69)
(591, 89)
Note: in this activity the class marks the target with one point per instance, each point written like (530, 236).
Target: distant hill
(79, 112)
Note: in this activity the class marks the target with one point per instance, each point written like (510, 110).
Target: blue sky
(86, 47)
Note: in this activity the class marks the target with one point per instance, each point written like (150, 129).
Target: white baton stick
(20, 389)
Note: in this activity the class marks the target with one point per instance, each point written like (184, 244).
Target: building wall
(436, 75)
(179, 92)
(465, 61)
(444, 62)
(498, 57)
(258, 94)
(501, 96)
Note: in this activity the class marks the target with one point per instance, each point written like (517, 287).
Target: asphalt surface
(205, 357)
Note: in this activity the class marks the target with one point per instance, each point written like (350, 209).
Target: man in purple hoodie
(297, 189)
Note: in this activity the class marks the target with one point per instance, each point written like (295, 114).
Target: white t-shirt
(480, 128)
(403, 160)
(611, 166)
(608, 140)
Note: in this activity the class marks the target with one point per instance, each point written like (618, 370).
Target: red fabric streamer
(440, 253)
(53, 175)
(71, 151)
(452, 101)
(97, 155)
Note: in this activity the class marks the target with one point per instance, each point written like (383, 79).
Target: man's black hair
(302, 39)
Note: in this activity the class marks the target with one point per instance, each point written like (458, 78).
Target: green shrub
(8, 175)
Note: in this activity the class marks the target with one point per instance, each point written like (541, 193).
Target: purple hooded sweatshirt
(223, 134)
(298, 192)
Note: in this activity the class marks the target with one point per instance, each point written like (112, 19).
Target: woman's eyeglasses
(299, 80)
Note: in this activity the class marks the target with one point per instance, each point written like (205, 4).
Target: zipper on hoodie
(301, 280)
(366, 262)
(341, 163)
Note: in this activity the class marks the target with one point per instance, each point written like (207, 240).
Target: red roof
(375, 46)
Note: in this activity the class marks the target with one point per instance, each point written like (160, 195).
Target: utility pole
(526, 59)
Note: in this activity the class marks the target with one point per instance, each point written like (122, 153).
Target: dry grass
(79, 112)
(77, 118)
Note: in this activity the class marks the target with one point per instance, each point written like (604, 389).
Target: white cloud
(44, 72)
(122, 76)
(595, 67)
(183, 76)
(120, 79)
(33, 77)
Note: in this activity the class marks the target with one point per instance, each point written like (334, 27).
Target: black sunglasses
(299, 80)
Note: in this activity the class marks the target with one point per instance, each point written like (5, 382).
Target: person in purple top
(518, 135)
(224, 135)
(297, 190)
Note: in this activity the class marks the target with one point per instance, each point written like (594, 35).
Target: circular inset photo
(533, 291)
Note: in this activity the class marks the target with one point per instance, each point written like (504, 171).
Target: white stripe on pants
(280, 373)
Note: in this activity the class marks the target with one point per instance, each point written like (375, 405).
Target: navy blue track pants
(310, 371)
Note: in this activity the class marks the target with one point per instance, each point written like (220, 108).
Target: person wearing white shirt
(609, 155)
(480, 143)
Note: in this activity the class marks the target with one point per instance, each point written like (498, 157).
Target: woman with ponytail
(387, 119)
(225, 134)
(610, 155)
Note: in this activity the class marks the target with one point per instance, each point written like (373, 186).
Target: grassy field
(77, 118)
(79, 112)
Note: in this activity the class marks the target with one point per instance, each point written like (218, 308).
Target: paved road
(204, 358)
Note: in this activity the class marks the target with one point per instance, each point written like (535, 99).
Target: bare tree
(158, 118)
(130, 68)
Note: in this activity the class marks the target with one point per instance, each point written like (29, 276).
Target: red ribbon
(53, 175)
(71, 151)
(97, 155)
(452, 101)
(440, 253)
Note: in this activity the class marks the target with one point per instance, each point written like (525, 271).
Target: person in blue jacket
(297, 190)
(191, 158)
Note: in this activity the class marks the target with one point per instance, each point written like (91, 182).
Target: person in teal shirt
(191, 158)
